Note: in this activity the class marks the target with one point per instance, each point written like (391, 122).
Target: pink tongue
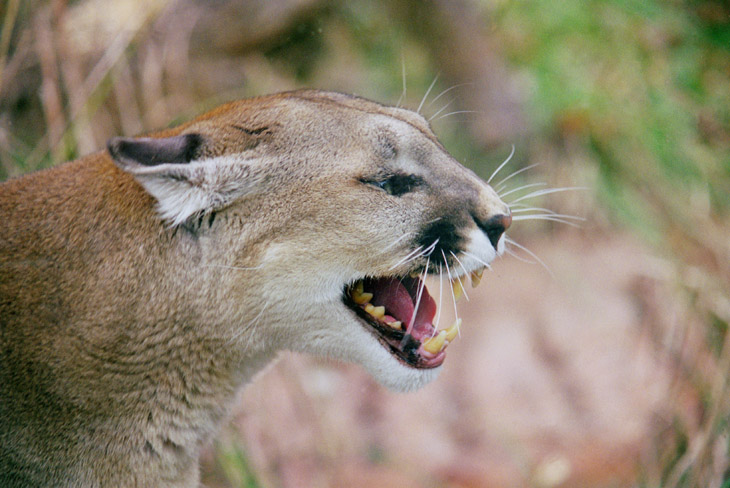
(399, 302)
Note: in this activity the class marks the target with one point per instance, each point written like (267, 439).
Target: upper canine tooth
(452, 331)
(476, 277)
(361, 298)
(457, 288)
(436, 343)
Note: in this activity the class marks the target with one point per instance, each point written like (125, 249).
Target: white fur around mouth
(400, 313)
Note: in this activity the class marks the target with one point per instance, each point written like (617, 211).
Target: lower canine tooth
(452, 331)
(476, 278)
(435, 344)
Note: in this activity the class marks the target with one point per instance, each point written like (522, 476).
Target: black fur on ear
(147, 151)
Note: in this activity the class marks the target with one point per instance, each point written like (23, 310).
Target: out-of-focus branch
(460, 43)
(11, 13)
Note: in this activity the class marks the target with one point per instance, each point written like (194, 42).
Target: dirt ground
(557, 380)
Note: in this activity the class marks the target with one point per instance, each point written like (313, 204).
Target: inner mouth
(400, 312)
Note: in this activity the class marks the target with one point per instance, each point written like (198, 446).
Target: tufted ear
(185, 183)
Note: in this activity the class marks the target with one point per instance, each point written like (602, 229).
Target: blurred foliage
(643, 87)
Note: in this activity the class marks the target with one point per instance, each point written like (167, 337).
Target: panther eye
(397, 184)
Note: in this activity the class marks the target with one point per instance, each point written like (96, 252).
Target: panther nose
(495, 226)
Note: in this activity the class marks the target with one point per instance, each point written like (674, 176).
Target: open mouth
(400, 312)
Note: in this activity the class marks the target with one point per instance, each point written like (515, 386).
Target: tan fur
(124, 335)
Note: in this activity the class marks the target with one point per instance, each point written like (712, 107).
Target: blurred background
(594, 355)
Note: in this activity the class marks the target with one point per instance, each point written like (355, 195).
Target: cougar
(142, 286)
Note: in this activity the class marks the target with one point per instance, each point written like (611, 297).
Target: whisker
(547, 192)
(520, 188)
(489, 267)
(458, 112)
(248, 326)
(551, 218)
(448, 272)
(502, 165)
(432, 247)
(445, 92)
(519, 258)
(520, 208)
(232, 267)
(396, 241)
(441, 293)
(423, 100)
(403, 72)
(504, 180)
(547, 213)
(419, 295)
(413, 256)
(407, 258)
(458, 277)
(440, 110)
(532, 254)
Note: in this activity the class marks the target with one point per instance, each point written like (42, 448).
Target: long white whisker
(407, 258)
(423, 100)
(445, 92)
(233, 267)
(403, 72)
(419, 294)
(396, 241)
(521, 208)
(248, 326)
(550, 218)
(458, 277)
(459, 112)
(551, 215)
(441, 293)
(411, 257)
(453, 297)
(504, 180)
(547, 192)
(519, 258)
(520, 188)
(429, 250)
(502, 165)
(477, 259)
(440, 110)
(532, 254)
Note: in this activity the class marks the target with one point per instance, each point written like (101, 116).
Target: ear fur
(184, 184)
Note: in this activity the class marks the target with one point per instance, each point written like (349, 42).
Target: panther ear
(185, 183)
(146, 151)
